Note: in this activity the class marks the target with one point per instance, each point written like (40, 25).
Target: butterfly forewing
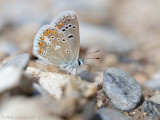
(51, 46)
(67, 22)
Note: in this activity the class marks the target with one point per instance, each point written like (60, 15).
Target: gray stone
(154, 82)
(20, 61)
(109, 114)
(88, 110)
(151, 108)
(150, 118)
(155, 99)
(13, 81)
(122, 89)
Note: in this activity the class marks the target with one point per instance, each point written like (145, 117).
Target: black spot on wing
(70, 36)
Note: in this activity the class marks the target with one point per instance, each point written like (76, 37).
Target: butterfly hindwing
(67, 22)
(51, 46)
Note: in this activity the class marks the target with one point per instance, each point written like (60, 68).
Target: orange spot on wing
(57, 27)
(44, 34)
(60, 33)
(40, 44)
(54, 32)
(60, 24)
(40, 51)
(48, 31)
(42, 38)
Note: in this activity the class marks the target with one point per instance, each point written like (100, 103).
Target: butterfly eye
(79, 63)
(69, 25)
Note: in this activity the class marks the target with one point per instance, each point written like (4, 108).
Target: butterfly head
(80, 62)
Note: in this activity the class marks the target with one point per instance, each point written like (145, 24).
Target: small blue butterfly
(58, 43)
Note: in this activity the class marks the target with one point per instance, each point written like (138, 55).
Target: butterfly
(58, 43)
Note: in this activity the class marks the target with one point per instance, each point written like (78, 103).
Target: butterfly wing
(51, 46)
(67, 22)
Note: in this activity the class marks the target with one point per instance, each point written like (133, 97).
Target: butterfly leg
(76, 71)
(74, 75)
(58, 70)
(70, 71)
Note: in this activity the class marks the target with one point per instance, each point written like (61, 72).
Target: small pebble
(153, 84)
(109, 114)
(122, 89)
(152, 106)
(20, 61)
(155, 98)
(88, 110)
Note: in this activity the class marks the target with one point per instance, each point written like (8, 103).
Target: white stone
(60, 84)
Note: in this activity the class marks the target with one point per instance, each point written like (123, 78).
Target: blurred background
(126, 31)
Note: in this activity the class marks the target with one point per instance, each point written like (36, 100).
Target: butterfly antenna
(92, 52)
(91, 58)
(89, 54)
